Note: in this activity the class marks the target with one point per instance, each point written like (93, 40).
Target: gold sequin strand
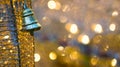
(8, 51)
(25, 38)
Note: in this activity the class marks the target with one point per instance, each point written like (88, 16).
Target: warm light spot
(28, 55)
(14, 0)
(9, 41)
(113, 62)
(84, 39)
(94, 60)
(11, 51)
(74, 55)
(53, 56)
(60, 48)
(4, 48)
(62, 54)
(4, 11)
(28, 62)
(73, 29)
(58, 5)
(1, 19)
(6, 37)
(66, 8)
(37, 57)
(5, 62)
(52, 4)
(106, 48)
(63, 19)
(44, 18)
(112, 27)
(115, 13)
(97, 28)
(69, 36)
(97, 39)
(67, 26)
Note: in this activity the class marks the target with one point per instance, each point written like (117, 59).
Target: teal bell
(29, 21)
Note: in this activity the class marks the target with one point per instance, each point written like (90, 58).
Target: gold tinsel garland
(11, 55)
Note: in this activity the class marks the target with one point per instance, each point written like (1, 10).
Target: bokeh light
(112, 27)
(77, 25)
(97, 39)
(73, 29)
(66, 8)
(97, 28)
(52, 56)
(4, 48)
(58, 5)
(94, 60)
(63, 54)
(60, 48)
(84, 39)
(106, 47)
(115, 13)
(11, 51)
(6, 37)
(69, 35)
(63, 19)
(37, 57)
(9, 41)
(67, 26)
(113, 62)
(52, 4)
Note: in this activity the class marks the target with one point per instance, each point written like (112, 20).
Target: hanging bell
(29, 21)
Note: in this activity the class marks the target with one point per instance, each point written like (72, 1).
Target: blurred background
(77, 33)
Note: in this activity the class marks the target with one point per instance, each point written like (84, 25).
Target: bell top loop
(25, 6)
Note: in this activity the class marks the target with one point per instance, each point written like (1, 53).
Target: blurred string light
(71, 28)
(37, 57)
(52, 56)
(115, 13)
(112, 27)
(54, 5)
(114, 62)
(97, 28)
(83, 39)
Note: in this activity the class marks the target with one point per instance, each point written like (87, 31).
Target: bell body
(29, 21)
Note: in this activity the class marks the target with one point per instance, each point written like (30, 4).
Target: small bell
(29, 22)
